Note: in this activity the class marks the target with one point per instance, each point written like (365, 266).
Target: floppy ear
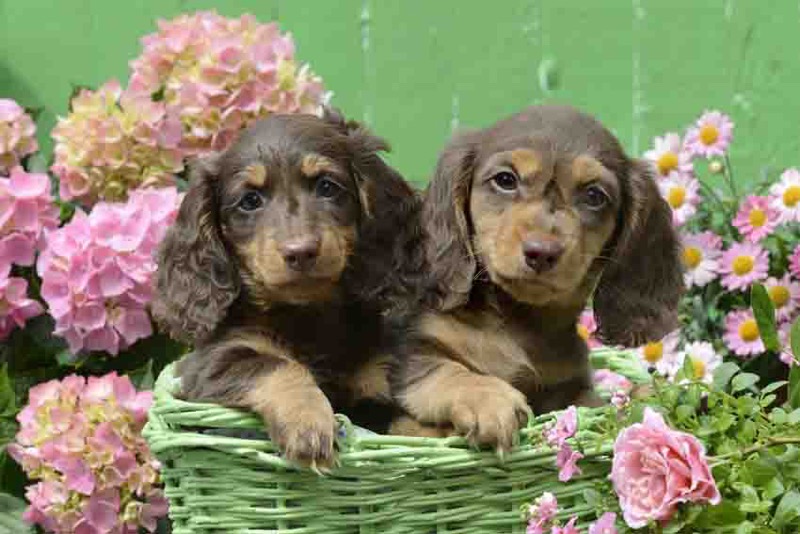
(449, 250)
(636, 300)
(387, 262)
(196, 280)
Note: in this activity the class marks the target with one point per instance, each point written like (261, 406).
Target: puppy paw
(306, 434)
(490, 412)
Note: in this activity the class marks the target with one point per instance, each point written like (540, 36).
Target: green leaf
(11, 509)
(7, 397)
(788, 510)
(723, 374)
(764, 313)
(774, 386)
(773, 489)
(592, 497)
(794, 339)
(743, 381)
(794, 386)
(794, 417)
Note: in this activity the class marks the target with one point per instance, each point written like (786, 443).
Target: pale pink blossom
(80, 442)
(217, 75)
(567, 463)
(742, 264)
(741, 333)
(656, 468)
(660, 354)
(604, 525)
(15, 306)
(565, 426)
(587, 327)
(608, 381)
(17, 135)
(786, 196)
(542, 513)
(794, 262)
(568, 528)
(26, 213)
(710, 136)
(97, 270)
(703, 359)
(756, 219)
(668, 156)
(620, 400)
(682, 194)
(700, 254)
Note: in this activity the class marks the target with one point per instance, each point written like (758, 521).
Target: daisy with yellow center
(786, 196)
(785, 295)
(703, 358)
(668, 156)
(587, 326)
(711, 135)
(660, 354)
(741, 333)
(756, 219)
(742, 264)
(700, 257)
(681, 193)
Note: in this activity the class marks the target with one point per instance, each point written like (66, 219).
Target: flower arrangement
(81, 441)
(198, 81)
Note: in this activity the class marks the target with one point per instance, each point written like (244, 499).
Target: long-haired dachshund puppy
(288, 251)
(526, 220)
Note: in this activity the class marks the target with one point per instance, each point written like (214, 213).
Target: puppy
(526, 220)
(289, 250)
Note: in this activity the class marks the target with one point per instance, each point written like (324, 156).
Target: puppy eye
(327, 188)
(251, 201)
(594, 197)
(505, 182)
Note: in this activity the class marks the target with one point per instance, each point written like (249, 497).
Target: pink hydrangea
(17, 135)
(81, 441)
(711, 135)
(700, 256)
(26, 212)
(656, 468)
(741, 333)
(609, 381)
(218, 74)
(668, 156)
(542, 513)
(756, 219)
(15, 306)
(113, 141)
(604, 525)
(97, 270)
(742, 264)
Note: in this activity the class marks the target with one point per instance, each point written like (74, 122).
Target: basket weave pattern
(222, 475)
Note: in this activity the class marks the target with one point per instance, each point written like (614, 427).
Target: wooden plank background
(416, 69)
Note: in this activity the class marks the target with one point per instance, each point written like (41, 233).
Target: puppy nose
(300, 254)
(542, 255)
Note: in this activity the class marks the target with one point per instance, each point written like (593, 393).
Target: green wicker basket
(218, 481)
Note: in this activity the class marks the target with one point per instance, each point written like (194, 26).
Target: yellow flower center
(757, 217)
(653, 351)
(699, 368)
(676, 196)
(779, 295)
(709, 134)
(583, 332)
(743, 265)
(667, 162)
(748, 330)
(791, 196)
(692, 257)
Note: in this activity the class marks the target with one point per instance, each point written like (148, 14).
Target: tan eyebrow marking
(586, 168)
(256, 175)
(314, 164)
(526, 162)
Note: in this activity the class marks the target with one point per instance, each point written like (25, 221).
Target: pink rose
(656, 468)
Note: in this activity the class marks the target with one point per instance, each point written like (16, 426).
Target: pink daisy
(756, 218)
(587, 326)
(742, 264)
(701, 254)
(784, 335)
(794, 262)
(785, 294)
(660, 355)
(668, 156)
(786, 196)
(710, 136)
(741, 333)
(681, 193)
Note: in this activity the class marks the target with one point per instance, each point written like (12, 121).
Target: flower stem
(729, 178)
(770, 442)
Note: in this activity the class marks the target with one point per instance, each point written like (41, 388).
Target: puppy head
(547, 204)
(278, 216)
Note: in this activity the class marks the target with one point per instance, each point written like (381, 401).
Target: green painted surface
(414, 69)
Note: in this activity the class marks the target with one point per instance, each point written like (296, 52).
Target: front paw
(489, 412)
(306, 434)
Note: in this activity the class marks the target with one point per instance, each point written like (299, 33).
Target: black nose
(300, 254)
(542, 255)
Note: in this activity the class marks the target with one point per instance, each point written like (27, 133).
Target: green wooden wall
(415, 69)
